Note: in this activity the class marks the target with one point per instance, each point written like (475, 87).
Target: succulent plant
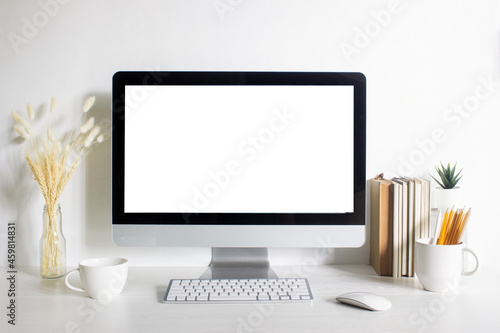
(448, 178)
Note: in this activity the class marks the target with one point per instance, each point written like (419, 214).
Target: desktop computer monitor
(238, 160)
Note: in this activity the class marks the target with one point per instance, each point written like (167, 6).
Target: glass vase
(52, 244)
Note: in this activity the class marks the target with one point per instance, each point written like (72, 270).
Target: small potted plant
(448, 193)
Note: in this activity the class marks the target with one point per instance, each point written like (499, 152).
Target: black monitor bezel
(122, 79)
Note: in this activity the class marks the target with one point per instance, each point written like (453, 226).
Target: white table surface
(49, 306)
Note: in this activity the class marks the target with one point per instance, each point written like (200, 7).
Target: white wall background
(424, 60)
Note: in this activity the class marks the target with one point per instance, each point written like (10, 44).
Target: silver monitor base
(239, 263)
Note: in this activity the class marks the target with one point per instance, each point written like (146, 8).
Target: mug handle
(464, 272)
(70, 286)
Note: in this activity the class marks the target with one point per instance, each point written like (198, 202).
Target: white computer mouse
(365, 300)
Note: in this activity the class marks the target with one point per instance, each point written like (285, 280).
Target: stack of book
(399, 215)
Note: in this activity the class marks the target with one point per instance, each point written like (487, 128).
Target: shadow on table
(160, 293)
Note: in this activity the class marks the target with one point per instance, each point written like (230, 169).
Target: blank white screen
(255, 149)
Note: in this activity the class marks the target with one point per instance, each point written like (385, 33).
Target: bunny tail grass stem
(53, 263)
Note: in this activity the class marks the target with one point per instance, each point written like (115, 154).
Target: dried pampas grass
(31, 112)
(53, 104)
(21, 121)
(88, 104)
(21, 131)
(53, 161)
(87, 126)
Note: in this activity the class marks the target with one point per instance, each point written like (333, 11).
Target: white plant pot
(446, 198)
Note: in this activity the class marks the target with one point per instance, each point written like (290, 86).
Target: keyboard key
(232, 298)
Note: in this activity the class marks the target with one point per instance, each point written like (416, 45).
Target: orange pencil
(443, 227)
(455, 227)
(456, 232)
(451, 219)
(451, 225)
(464, 225)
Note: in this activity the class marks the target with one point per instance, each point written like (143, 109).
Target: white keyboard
(238, 290)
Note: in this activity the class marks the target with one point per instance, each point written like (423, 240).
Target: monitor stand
(239, 263)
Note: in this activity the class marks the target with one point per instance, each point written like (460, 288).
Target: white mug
(101, 277)
(440, 267)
